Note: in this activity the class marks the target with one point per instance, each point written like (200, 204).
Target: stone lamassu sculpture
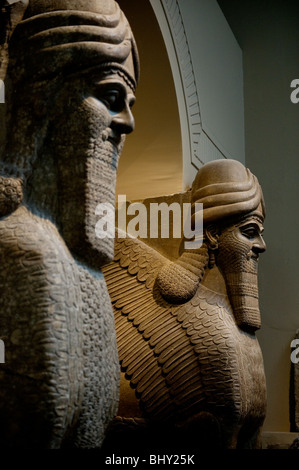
(186, 328)
(72, 69)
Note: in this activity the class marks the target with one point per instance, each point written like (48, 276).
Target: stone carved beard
(86, 165)
(239, 267)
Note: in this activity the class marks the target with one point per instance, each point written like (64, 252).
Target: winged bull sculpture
(186, 328)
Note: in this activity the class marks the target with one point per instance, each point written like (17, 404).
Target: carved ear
(212, 236)
(211, 233)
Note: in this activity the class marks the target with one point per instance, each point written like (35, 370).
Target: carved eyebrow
(259, 218)
(109, 85)
(255, 223)
(115, 85)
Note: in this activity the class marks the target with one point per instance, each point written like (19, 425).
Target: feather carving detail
(169, 352)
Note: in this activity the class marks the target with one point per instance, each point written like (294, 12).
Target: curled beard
(240, 272)
(89, 181)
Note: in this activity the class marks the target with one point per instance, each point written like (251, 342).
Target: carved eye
(112, 99)
(115, 95)
(250, 231)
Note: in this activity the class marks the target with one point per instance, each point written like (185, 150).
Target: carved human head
(233, 216)
(72, 71)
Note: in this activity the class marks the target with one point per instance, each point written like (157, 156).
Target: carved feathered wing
(165, 350)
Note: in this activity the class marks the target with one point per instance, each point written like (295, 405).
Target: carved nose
(123, 122)
(259, 246)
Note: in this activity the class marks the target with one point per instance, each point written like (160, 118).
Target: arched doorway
(151, 163)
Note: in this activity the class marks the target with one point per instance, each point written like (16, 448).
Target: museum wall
(189, 107)
(269, 36)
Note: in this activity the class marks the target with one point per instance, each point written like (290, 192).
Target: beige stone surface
(186, 326)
